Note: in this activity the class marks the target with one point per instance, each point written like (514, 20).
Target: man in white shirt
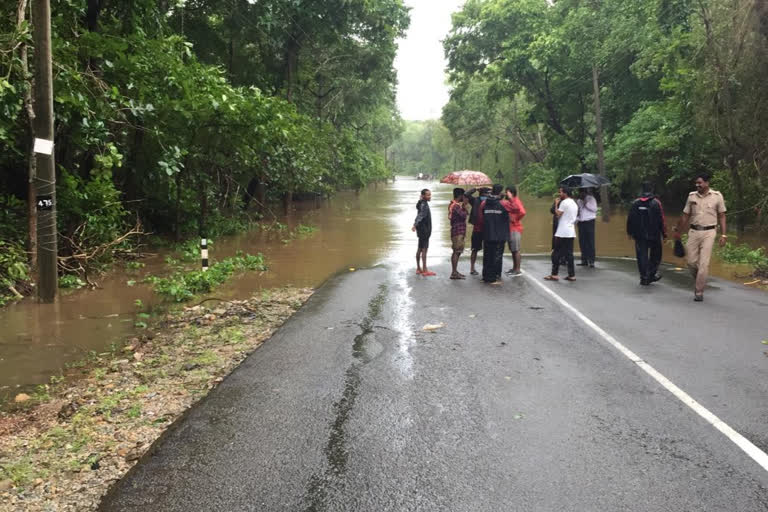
(566, 211)
(586, 225)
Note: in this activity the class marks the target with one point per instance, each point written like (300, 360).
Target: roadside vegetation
(193, 118)
(679, 84)
(63, 444)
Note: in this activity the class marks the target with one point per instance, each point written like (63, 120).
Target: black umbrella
(585, 180)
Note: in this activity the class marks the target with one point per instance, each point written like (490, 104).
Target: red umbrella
(467, 177)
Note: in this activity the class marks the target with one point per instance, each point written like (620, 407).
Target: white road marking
(742, 442)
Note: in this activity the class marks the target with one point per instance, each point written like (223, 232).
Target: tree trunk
(92, 15)
(231, 63)
(261, 196)
(177, 222)
(203, 222)
(599, 141)
(31, 160)
(738, 187)
(291, 66)
(287, 199)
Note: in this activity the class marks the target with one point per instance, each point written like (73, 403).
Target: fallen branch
(15, 292)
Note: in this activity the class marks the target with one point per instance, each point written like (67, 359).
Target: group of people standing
(496, 214)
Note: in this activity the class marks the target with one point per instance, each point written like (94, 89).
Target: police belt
(702, 228)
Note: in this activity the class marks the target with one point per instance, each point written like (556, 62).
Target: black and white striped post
(204, 253)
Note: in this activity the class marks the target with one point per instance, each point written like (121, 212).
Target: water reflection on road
(353, 231)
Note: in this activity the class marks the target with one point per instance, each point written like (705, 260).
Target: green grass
(21, 472)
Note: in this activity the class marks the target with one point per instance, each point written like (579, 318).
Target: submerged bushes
(183, 285)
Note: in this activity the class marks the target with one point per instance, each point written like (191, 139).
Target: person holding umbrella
(586, 225)
(477, 225)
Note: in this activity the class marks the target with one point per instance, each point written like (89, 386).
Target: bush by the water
(743, 253)
(183, 285)
(13, 270)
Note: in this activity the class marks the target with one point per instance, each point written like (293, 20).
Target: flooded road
(352, 231)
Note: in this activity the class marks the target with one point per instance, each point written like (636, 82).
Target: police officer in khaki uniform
(704, 209)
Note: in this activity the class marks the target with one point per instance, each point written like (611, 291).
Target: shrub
(182, 285)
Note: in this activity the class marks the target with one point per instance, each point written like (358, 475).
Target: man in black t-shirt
(422, 226)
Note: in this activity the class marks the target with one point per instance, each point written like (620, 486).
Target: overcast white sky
(420, 62)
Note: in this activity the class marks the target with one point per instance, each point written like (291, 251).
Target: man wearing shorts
(516, 210)
(457, 214)
(477, 230)
(423, 228)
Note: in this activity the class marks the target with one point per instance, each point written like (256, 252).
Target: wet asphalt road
(515, 404)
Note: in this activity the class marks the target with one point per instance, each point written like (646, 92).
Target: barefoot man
(422, 226)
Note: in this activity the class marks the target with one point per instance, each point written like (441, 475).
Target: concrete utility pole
(45, 180)
(600, 150)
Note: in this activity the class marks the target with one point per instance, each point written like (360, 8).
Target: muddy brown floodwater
(353, 231)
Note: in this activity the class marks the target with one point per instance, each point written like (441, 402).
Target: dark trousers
(563, 249)
(493, 256)
(648, 257)
(587, 241)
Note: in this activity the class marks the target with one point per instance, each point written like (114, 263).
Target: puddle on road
(353, 231)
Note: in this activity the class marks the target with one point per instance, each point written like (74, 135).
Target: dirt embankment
(63, 453)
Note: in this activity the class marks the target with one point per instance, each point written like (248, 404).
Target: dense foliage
(181, 112)
(681, 86)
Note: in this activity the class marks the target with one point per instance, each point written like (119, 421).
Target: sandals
(427, 273)
(570, 278)
(551, 278)
(458, 276)
(474, 273)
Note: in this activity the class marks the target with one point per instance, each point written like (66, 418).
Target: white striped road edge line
(742, 442)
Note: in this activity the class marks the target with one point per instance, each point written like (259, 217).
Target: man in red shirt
(516, 210)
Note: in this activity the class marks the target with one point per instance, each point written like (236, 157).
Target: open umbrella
(585, 180)
(467, 177)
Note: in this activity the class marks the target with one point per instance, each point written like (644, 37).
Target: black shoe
(583, 264)
(698, 298)
(591, 265)
(655, 277)
(645, 282)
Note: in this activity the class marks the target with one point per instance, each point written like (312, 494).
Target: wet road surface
(514, 404)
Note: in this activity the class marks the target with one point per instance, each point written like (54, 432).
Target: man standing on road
(423, 228)
(566, 210)
(586, 224)
(477, 231)
(516, 211)
(646, 225)
(495, 227)
(704, 210)
(457, 214)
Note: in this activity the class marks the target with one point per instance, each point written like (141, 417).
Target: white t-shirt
(565, 227)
